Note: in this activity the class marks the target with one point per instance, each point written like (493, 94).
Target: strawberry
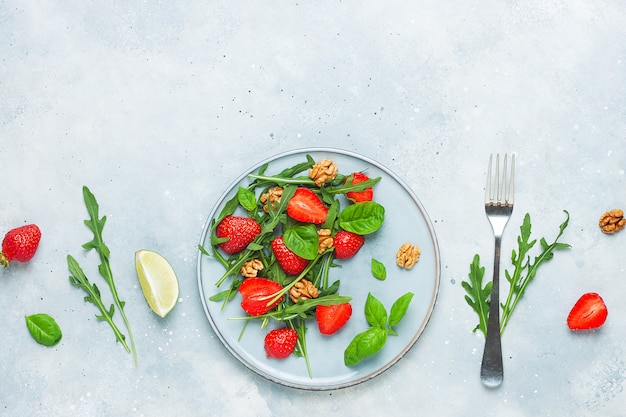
(280, 343)
(291, 263)
(256, 293)
(347, 244)
(332, 317)
(360, 196)
(240, 232)
(589, 312)
(305, 206)
(20, 244)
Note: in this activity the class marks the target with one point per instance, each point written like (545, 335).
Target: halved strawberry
(280, 343)
(347, 244)
(360, 196)
(256, 294)
(332, 317)
(589, 312)
(305, 206)
(20, 244)
(291, 263)
(240, 232)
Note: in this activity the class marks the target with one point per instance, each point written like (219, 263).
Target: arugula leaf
(479, 296)
(80, 280)
(525, 270)
(96, 225)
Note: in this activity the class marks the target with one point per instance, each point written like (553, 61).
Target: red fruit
(240, 232)
(256, 294)
(305, 206)
(280, 343)
(20, 244)
(332, 318)
(291, 263)
(347, 244)
(589, 312)
(360, 196)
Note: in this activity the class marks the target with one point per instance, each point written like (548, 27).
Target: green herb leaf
(362, 218)
(375, 312)
(479, 295)
(44, 329)
(302, 240)
(365, 344)
(378, 270)
(399, 309)
(246, 198)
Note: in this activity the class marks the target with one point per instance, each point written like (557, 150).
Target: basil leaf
(362, 218)
(378, 270)
(399, 308)
(43, 329)
(246, 198)
(364, 344)
(302, 240)
(375, 312)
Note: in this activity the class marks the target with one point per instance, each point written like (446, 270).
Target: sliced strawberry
(589, 312)
(280, 343)
(360, 196)
(20, 244)
(305, 206)
(256, 294)
(347, 244)
(291, 263)
(332, 317)
(240, 232)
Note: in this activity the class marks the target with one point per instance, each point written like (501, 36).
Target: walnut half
(303, 289)
(612, 221)
(408, 255)
(251, 268)
(323, 172)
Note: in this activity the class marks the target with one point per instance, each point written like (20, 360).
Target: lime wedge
(158, 281)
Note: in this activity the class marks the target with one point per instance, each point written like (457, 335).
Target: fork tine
(512, 181)
(497, 190)
(488, 187)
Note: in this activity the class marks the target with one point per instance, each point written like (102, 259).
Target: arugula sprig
(524, 271)
(95, 223)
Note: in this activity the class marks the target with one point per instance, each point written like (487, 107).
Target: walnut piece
(325, 240)
(323, 172)
(272, 196)
(408, 255)
(612, 221)
(251, 268)
(303, 289)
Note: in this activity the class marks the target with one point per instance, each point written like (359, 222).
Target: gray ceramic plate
(405, 220)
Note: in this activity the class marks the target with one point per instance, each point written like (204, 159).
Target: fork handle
(491, 371)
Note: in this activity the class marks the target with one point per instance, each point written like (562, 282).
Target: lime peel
(158, 281)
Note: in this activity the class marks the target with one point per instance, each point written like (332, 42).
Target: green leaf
(478, 295)
(364, 344)
(44, 329)
(362, 218)
(399, 309)
(375, 312)
(378, 270)
(246, 198)
(302, 240)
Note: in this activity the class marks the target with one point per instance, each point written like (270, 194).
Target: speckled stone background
(158, 106)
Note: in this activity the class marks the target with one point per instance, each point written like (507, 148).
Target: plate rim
(371, 375)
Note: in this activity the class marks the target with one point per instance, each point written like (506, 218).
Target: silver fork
(498, 207)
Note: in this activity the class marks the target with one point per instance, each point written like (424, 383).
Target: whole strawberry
(240, 232)
(289, 262)
(347, 244)
(280, 343)
(20, 244)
